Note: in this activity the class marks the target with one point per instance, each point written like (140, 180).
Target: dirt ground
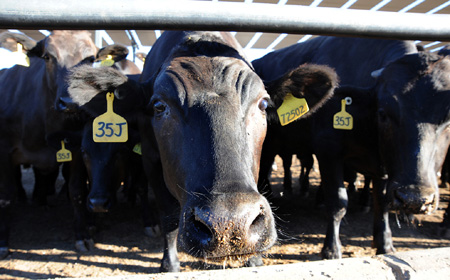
(42, 238)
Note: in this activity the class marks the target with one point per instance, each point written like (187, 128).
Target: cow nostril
(203, 232)
(61, 105)
(259, 223)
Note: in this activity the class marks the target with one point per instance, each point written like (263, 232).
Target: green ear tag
(342, 119)
(137, 149)
(19, 57)
(108, 61)
(63, 155)
(110, 127)
(292, 109)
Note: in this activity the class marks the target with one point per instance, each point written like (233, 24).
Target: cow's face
(208, 115)
(61, 51)
(414, 128)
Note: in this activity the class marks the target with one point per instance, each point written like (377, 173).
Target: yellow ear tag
(137, 149)
(108, 61)
(342, 119)
(19, 57)
(292, 109)
(110, 127)
(63, 155)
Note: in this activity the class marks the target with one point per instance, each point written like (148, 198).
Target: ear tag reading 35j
(110, 127)
(19, 57)
(342, 119)
(63, 155)
(292, 109)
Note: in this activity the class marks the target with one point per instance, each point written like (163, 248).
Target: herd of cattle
(201, 126)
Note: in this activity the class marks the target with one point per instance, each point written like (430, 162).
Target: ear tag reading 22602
(110, 127)
(292, 109)
(342, 119)
(63, 155)
(19, 57)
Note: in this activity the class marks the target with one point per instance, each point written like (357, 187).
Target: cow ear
(315, 83)
(86, 82)
(116, 51)
(9, 41)
(72, 139)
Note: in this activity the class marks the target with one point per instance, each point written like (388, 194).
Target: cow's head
(207, 115)
(62, 50)
(106, 163)
(414, 128)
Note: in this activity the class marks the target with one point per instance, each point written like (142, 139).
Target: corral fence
(224, 16)
(221, 16)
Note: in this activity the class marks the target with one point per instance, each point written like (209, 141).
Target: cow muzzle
(414, 199)
(228, 225)
(99, 205)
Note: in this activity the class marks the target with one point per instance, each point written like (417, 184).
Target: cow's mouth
(232, 261)
(414, 204)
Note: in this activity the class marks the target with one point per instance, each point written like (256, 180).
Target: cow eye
(263, 104)
(159, 107)
(46, 57)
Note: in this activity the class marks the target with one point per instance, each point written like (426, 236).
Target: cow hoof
(84, 245)
(153, 232)
(330, 254)
(169, 267)
(4, 251)
(254, 261)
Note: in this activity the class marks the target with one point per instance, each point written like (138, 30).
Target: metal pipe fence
(224, 16)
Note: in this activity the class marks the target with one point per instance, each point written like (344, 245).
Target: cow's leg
(382, 236)
(287, 181)
(445, 225)
(307, 164)
(364, 198)
(7, 195)
(78, 195)
(21, 194)
(169, 211)
(151, 223)
(350, 177)
(336, 205)
(44, 184)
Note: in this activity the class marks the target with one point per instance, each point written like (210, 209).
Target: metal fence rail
(198, 15)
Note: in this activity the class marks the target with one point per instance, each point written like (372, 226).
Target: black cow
(104, 165)
(394, 139)
(202, 119)
(27, 111)
(445, 171)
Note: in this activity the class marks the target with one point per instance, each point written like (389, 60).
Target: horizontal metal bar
(225, 16)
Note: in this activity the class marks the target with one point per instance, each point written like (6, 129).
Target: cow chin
(413, 199)
(232, 226)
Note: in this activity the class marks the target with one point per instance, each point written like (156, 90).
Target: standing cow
(27, 111)
(202, 118)
(400, 125)
(104, 165)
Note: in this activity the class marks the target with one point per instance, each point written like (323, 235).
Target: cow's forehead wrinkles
(205, 77)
